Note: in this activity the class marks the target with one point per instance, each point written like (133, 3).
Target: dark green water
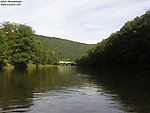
(73, 90)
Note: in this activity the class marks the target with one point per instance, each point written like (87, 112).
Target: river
(74, 90)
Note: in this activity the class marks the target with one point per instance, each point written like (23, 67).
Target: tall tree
(20, 41)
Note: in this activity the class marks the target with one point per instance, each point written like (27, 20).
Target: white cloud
(89, 26)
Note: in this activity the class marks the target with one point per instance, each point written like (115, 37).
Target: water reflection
(14, 89)
(73, 90)
(130, 85)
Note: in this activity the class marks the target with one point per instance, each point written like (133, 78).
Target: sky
(86, 21)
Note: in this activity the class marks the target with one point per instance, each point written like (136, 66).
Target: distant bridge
(65, 63)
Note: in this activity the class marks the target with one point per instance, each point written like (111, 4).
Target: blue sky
(87, 21)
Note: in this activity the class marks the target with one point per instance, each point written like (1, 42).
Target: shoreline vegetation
(9, 66)
(128, 47)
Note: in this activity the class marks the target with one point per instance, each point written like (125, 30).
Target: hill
(130, 46)
(65, 49)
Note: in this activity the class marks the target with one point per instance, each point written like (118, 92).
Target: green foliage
(42, 55)
(64, 49)
(129, 46)
(18, 46)
(20, 37)
(3, 49)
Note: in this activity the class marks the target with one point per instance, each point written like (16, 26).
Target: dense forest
(19, 47)
(65, 49)
(129, 46)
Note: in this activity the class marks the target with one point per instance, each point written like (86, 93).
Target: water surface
(74, 90)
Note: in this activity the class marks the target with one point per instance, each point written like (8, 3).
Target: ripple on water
(19, 110)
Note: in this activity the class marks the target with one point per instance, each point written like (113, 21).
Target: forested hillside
(129, 46)
(65, 49)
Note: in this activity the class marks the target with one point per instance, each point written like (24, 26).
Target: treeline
(130, 46)
(65, 49)
(19, 47)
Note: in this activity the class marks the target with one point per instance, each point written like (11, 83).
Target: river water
(74, 90)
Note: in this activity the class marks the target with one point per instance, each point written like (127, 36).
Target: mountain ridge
(64, 48)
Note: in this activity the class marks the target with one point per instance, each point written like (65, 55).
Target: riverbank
(9, 66)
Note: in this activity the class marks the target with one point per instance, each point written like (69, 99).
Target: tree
(20, 40)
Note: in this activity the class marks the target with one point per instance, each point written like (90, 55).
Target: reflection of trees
(53, 79)
(15, 88)
(131, 86)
